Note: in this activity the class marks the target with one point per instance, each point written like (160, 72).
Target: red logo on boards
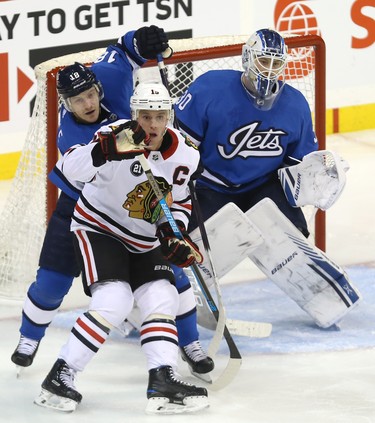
(24, 83)
(295, 17)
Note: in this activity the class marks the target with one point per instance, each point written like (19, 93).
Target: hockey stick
(238, 327)
(235, 357)
(249, 329)
(220, 318)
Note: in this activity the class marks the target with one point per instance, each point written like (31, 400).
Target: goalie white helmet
(264, 58)
(150, 96)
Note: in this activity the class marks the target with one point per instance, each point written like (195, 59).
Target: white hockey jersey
(117, 198)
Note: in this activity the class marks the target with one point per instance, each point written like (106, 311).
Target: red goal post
(32, 198)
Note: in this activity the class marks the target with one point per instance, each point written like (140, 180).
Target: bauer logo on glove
(318, 180)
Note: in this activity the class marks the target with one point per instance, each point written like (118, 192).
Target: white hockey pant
(110, 304)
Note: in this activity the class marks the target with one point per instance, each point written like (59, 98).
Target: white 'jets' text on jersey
(247, 141)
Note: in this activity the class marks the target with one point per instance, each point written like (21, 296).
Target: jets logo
(248, 141)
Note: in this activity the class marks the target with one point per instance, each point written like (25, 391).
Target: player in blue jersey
(256, 140)
(91, 98)
(248, 125)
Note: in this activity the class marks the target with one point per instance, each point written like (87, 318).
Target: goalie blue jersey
(114, 69)
(241, 146)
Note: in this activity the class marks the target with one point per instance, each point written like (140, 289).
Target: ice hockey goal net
(32, 199)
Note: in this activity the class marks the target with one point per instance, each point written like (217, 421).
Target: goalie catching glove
(124, 142)
(180, 252)
(318, 180)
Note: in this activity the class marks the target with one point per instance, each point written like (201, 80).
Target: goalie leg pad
(231, 235)
(302, 271)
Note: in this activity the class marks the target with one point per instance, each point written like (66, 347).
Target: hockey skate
(198, 361)
(58, 390)
(25, 352)
(168, 395)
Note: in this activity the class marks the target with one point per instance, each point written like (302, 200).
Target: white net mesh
(23, 218)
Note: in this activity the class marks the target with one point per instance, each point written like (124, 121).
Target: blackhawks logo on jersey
(189, 142)
(142, 203)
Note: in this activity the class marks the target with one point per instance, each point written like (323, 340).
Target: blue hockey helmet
(75, 79)
(264, 58)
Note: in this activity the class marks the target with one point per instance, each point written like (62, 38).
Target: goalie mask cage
(32, 198)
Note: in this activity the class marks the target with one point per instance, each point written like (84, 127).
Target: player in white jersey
(125, 245)
(90, 98)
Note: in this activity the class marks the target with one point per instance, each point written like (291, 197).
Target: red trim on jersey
(93, 220)
(90, 331)
(185, 206)
(173, 147)
(87, 256)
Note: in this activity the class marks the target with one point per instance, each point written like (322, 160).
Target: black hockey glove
(182, 253)
(125, 142)
(152, 40)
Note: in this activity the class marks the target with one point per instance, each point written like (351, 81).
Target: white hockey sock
(159, 342)
(86, 337)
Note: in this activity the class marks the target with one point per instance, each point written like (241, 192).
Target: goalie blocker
(319, 286)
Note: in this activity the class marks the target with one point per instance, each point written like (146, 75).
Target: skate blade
(19, 371)
(202, 376)
(162, 405)
(48, 400)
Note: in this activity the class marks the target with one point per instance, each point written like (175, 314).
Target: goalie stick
(221, 316)
(237, 327)
(232, 236)
(235, 358)
(241, 328)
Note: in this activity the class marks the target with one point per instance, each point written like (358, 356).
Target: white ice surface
(299, 374)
